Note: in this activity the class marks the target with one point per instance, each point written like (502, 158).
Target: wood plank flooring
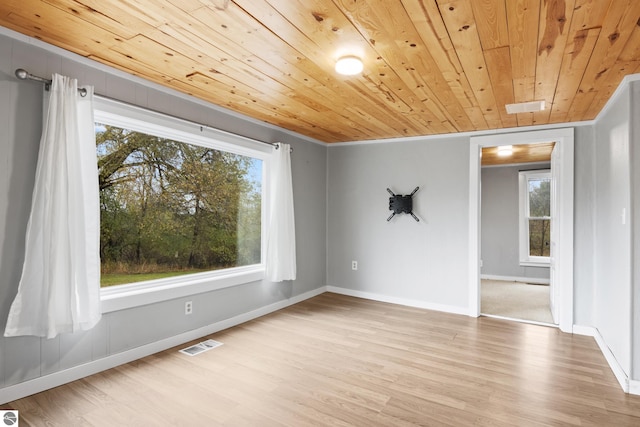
(341, 361)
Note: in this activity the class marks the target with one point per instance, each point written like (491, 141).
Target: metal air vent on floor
(201, 347)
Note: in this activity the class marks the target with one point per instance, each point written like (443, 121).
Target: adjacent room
(516, 232)
(292, 213)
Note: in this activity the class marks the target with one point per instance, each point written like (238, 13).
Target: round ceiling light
(505, 150)
(349, 65)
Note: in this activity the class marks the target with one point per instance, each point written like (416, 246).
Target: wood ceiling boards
(521, 153)
(430, 66)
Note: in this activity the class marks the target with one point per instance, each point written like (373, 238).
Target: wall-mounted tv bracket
(401, 204)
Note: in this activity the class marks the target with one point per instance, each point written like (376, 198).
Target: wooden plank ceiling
(430, 66)
(521, 153)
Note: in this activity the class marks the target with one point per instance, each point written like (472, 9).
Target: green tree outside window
(539, 216)
(170, 208)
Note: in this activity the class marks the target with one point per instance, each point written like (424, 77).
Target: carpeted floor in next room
(515, 300)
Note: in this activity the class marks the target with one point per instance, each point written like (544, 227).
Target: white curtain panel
(59, 291)
(281, 234)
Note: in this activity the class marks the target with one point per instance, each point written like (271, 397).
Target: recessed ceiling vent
(201, 347)
(525, 107)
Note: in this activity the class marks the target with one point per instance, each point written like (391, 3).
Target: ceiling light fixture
(349, 65)
(525, 107)
(505, 150)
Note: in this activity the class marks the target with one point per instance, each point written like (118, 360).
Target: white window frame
(527, 260)
(130, 117)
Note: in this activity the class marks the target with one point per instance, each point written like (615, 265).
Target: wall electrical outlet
(188, 307)
(354, 265)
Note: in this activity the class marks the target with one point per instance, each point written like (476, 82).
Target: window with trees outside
(174, 204)
(535, 217)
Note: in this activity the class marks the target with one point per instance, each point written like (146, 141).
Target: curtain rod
(23, 74)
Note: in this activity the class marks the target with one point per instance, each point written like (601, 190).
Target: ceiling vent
(201, 347)
(525, 107)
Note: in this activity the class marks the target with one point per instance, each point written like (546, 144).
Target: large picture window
(535, 217)
(180, 206)
(169, 208)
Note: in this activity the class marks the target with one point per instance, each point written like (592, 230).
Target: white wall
(30, 358)
(500, 219)
(612, 290)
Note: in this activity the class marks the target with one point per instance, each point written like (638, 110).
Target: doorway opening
(561, 263)
(515, 233)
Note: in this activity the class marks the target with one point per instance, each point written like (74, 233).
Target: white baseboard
(589, 331)
(537, 281)
(27, 388)
(619, 373)
(400, 301)
(634, 387)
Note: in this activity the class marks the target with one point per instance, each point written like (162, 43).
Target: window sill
(535, 264)
(136, 294)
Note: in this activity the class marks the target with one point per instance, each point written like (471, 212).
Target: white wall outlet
(354, 265)
(188, 307)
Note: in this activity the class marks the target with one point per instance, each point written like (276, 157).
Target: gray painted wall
(612, 291)
(499, 234)
(426, 261)
(584, 225)
(25, 358)
(635, 220)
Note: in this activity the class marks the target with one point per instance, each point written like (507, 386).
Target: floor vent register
(201, 347)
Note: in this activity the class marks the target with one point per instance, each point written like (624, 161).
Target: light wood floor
(336, 360)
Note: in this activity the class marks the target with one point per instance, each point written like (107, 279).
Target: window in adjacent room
(535, 217)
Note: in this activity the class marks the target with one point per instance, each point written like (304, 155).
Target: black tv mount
(401, 204)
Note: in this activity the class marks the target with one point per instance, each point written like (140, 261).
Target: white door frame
(553, 288)
(563, 137)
